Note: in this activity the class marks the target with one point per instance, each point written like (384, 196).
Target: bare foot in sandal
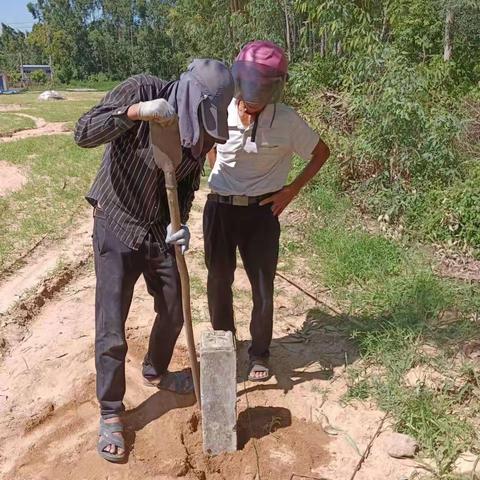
(258, 371)
(111, 444)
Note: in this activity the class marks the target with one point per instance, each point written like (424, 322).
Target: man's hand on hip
(158, 110)
(182, 237)
(281, 199)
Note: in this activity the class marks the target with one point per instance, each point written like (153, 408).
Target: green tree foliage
(15, 49)
(403, 69)
(401, 72)
(119, 38)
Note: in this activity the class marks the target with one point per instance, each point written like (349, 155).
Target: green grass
(68, 110)
(103, 86)
(354, 256)
(11, 123)
(391, 321)
(198, 286)
(59, 176)
(395, 306)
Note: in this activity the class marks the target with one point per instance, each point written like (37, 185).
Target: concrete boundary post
(218, 378)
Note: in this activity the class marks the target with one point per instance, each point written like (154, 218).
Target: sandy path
(53, 128)
(42, 127)
(11, 107)
(44, 259)
(39, 122)
(48, 411)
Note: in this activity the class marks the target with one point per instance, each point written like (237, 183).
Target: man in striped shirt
(131, 235)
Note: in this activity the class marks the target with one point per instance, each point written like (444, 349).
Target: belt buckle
(240, 200)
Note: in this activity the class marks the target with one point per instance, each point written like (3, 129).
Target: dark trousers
(256, 232)
(117, 269)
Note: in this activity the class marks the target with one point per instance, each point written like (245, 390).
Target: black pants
(118, 268)
(255, 231)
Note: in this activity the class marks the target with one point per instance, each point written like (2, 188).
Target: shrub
(15, 77)
(98, 78)
(39, 76)
(64, 74)
(305, 76)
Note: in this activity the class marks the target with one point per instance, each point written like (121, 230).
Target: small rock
(465, 463)
(399, 445)
(50, 95)
(426, 376)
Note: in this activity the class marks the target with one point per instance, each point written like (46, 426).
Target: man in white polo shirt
(249, 191)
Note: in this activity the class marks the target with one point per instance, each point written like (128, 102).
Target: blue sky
(15, 13)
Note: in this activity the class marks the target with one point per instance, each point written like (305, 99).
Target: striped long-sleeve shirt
(129, 187)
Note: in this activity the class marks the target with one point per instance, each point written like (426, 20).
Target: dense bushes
(405, 138)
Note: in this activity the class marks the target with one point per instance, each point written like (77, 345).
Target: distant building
(27, 70)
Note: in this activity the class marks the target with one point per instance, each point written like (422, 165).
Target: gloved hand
(182, 237)
(158, 110)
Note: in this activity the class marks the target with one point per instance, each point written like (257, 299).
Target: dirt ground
(295, 426)
(12, 178)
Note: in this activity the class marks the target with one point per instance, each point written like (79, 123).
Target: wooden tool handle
(167, 154)
(172, 196)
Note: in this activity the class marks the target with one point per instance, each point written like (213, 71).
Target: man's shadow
(154, 407)
(310, 352)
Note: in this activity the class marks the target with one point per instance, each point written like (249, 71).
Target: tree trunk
(294, 36)
(287, 30)
(448, 38)
(336, 48)
(312, 43)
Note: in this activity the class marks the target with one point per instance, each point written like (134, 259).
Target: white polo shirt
(251, 168)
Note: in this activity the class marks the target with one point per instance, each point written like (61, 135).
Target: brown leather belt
(237, 200)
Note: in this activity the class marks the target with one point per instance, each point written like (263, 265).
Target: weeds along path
(295, 423)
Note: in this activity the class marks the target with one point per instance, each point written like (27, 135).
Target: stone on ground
(465, 464)
(399, 445)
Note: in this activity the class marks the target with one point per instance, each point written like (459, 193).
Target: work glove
(182, 237)
(158, 110)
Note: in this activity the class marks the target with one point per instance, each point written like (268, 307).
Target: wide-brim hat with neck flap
(203, 94)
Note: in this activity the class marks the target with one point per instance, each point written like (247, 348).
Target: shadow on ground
(309, 353)
(258, 422)
(326, 341)
(154, 407)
